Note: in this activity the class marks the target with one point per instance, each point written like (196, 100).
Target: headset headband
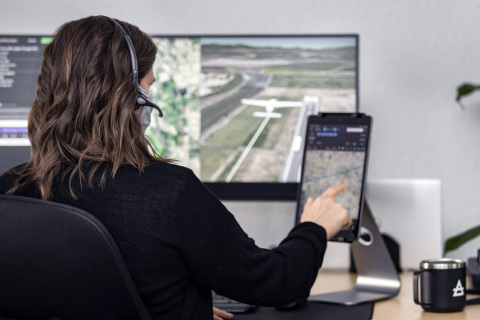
(141, 101)
(133, 55)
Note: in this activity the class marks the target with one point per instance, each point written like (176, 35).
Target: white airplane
(270, 105)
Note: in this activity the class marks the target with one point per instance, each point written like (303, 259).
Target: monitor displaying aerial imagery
(236, 106)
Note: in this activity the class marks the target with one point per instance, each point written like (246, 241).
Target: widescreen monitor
(235, 106)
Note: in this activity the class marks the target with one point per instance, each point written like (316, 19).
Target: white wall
(413, 55)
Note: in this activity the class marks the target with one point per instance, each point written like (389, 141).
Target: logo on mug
(458, 291)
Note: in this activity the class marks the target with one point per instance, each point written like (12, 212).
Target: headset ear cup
(140, 102)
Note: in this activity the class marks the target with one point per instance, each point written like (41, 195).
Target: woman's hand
(220, 314)
(328, 213)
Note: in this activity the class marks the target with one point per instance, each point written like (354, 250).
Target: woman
(179, 242)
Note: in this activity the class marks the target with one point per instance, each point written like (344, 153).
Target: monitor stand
(377, 276)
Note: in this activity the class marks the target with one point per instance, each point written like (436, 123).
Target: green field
(268, 137)
(236, 81)
(215, 112)
(212, 158)
(307, 67)
(238, 133)
(319, 82)
(239, 130)
(269, 169)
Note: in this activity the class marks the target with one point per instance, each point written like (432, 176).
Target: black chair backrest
(59, 262)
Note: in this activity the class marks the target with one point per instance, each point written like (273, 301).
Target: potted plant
(460, 239)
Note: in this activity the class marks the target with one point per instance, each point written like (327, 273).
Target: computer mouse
(294, 305)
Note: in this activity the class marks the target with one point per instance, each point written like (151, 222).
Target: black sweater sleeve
(220, 255)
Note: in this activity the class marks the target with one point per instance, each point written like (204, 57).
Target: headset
(141, 100)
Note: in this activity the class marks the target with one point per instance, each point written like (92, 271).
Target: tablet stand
(377, 276)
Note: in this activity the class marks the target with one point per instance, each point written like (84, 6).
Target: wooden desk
(400, 307)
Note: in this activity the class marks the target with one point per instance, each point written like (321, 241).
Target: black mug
(439, 285)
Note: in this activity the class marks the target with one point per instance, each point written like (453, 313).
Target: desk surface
(400, 307)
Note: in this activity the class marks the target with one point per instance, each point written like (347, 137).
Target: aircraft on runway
(270, 106)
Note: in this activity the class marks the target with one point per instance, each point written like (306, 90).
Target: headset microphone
(141, 99)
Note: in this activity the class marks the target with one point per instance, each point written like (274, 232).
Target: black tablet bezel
(351, 234)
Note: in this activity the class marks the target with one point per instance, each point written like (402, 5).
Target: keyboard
(229, 305)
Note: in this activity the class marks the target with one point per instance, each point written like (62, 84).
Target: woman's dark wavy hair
(82, 116)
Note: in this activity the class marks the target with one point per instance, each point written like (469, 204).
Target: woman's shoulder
(7, 179)
(160, 171)
(14, 169)
(168, 168)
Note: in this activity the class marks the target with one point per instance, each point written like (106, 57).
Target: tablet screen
(336, 150)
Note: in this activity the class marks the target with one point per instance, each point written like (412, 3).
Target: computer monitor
(20, 62)
(236, 106)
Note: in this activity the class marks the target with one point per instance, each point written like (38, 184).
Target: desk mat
(313, 310)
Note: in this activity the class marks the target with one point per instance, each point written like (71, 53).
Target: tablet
(336, 151)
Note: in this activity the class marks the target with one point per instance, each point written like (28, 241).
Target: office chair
(59, 262)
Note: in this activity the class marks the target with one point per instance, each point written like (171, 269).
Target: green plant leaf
(458, 240)
(464, 90)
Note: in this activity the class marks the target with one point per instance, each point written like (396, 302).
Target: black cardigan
(179, 242)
